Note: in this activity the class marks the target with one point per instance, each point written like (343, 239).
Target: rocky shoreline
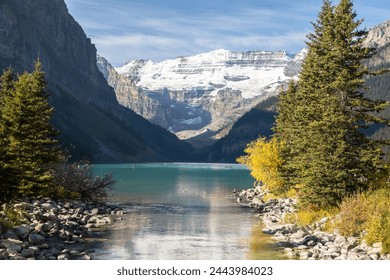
(305, 242)
(55, 229)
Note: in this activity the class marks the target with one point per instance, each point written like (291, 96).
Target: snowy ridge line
(250, 72)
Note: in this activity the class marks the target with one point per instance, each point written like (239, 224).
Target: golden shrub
(367, 212)
(374, 229)
(307, 217)
(290, 218)
(263, 159)
(354, 212)
(378, 222)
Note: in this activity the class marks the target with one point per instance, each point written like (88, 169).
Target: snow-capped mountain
(200, 97)
(249, 72)
(294, 66)
(379, 36)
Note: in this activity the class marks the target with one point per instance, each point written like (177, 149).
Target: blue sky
(123, 30)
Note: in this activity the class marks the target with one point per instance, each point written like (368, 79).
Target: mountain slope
(379, 86)
(255, 123)
(92, 123)
(127, 92)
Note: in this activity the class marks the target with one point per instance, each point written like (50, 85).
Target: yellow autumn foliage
(263, 160)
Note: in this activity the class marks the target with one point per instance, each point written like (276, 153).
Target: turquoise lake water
(181, 211)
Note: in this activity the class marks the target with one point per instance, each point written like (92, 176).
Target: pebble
(36, 239)
(22, 231)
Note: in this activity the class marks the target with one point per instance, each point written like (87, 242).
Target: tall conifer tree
(326, 151)
(8, 173)
(31, 146)
(287, 131)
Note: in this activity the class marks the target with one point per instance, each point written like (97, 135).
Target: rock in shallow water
(268, 231)
(86, 257)
(95, 211)
(311, 241)
(284, 244)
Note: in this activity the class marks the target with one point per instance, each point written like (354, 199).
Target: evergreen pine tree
(31, 146)
(320, 121)
(349, 85)
(8, 175)
(287, 131)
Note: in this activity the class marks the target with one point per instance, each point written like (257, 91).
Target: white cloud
(136, 40)
(288, 41)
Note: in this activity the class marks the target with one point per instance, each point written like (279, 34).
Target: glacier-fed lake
(182, 211)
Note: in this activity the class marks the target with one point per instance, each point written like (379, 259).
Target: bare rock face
(44, 29)
(127, 93)
(379, 35)
(379, 38)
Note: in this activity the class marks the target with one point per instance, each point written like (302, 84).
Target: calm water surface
(182, 211)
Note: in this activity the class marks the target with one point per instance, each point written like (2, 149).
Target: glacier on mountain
(250, 72)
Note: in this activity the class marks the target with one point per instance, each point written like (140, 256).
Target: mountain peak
(379, 35)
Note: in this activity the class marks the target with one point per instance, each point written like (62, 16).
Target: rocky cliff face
(200, 97)
(379, 36)
(87, 113)
(31, 29)
(127, 93)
